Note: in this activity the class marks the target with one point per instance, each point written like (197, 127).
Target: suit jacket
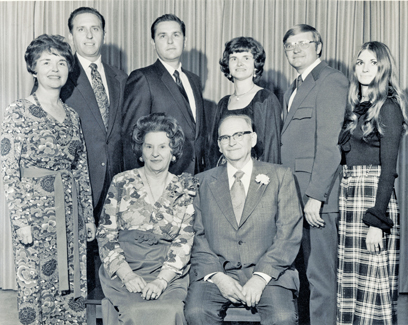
(104, 147)
(152, 89)
(310, 134)
(268, 237)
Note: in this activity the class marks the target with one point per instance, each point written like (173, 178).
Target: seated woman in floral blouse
(145, 232)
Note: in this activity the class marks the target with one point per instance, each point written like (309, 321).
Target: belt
(62, 257)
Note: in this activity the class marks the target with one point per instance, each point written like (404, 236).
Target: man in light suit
(102, 133)
(156, 88)
(313, 114)
(248, 233)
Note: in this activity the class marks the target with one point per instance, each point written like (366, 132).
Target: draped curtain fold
(344, 26)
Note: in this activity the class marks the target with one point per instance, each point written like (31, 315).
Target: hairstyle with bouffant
(243, 44)
(158, 122)
(54, 44)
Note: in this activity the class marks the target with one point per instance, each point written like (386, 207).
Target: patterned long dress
(33, 140)
(146, 238)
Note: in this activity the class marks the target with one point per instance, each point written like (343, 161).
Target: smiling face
(366, 67)
(237, 153)
(51, 70)
(156, 151)
(169, 42)
(241, 65)
(299, 58)
(87, 36)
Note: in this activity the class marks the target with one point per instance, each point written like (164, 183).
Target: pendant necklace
(150, 189)
(237, 96)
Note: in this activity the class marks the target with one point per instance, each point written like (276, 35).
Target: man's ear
(254, 138)
(319, 49)
(153, 43)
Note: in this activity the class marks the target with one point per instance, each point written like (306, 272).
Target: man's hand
(229, 288)
(24, 235)
(312, 213)
(90, 231)
(374, 240)
(253, 289)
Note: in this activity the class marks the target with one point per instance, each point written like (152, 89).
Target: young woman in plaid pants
(368, 250)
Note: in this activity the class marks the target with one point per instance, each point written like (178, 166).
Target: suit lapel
(219, 187)
(181, 102)
(198, 102)
(255, 193)
(114, 93)
(84, 87)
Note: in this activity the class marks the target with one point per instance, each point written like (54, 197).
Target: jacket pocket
(303, 112)
(304, 164)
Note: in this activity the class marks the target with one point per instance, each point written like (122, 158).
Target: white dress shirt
(186, 85)
(85, 65)
(304, 76)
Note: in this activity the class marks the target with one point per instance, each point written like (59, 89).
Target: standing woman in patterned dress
(369, 217)
(46, 183)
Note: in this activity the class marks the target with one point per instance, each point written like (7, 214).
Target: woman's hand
(374, 240)
(154, 289)
(134, 283)
(24, 235)
(90, 231)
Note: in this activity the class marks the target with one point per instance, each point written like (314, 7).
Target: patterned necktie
(100, 94)
(299, 81)
(180, 84)
(238, 195)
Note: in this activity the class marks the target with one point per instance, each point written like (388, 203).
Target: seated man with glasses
(248, 229)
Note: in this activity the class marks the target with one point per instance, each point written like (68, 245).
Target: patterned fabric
(238, 195)
(170, 218)
(368, 282)
(176, 76)
(100, 94)
(33, 138)
(299, 81)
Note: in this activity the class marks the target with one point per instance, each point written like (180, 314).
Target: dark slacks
(205, 305)
(320, 256)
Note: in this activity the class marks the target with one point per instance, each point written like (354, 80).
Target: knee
(193, 313)
(284, 319)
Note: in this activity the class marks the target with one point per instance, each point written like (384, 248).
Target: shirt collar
(169, 68)
(85, 62)
(247, 169)
(310, 68)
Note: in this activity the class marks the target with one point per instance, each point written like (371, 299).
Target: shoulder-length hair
(383, 86)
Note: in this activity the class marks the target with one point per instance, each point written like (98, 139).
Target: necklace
(150, 189)
(237, 96)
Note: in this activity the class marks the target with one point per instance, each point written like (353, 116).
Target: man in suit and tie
(248, 231)
(314, 108)
(165, 87)
(95, 90)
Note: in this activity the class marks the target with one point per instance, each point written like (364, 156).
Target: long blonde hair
(383, 86)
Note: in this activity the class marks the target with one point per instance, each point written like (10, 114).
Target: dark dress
(368, 282)
(265, 111)
(148, 238)
(36, 151)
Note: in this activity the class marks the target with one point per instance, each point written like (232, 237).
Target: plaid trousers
(367, 282)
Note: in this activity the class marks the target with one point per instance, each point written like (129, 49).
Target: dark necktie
(238, 195)
(100, 94)
(180, 84)
(299, 81)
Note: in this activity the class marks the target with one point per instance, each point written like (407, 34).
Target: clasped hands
(249, 294)
(152, 290)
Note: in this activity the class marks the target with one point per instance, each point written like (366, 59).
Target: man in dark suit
(314, 108)
(102, 134)
(95, 90)
(166, 87)
(248, 231)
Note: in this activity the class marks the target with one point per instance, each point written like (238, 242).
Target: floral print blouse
(170, 218)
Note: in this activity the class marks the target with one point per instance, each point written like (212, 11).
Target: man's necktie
(180, 84)
(100, 94)
(299, 81)
(238, 195)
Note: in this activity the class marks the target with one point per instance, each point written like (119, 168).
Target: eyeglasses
(302, 45)
(238, 136)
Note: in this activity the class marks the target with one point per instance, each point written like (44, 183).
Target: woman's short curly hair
(243, 44)
(54, 44)
(158, 122)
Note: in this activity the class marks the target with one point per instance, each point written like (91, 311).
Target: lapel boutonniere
(262, 179)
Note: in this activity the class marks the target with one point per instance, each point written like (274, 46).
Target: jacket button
(240, 242)
(103, 164)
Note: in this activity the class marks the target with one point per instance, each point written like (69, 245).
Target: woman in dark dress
(242, 63)
(145, 233)
(46, 182)
(369, 216)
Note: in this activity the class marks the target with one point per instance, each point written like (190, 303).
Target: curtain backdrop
(344, 26)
